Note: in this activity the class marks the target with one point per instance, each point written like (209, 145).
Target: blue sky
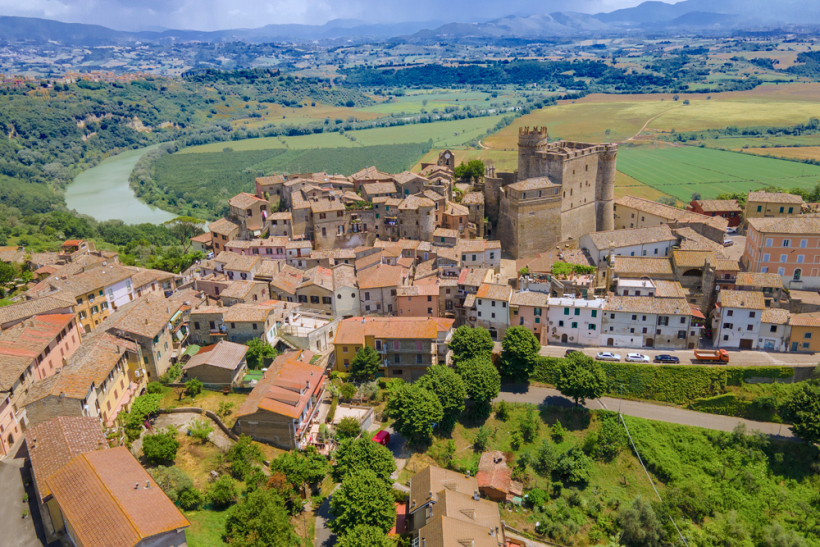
(221, 14)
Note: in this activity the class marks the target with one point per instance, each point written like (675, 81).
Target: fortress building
(561, 191)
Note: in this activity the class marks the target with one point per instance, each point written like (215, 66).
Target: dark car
(666, 359)
(570, 352)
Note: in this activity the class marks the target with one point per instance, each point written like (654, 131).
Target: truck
(718, 355)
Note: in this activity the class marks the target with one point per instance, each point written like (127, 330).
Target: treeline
(242, 76)
(808, 128)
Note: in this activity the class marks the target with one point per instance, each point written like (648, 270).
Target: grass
(209, 400)
(207, 527)
(683, 170)
(197, 459)
(798, 153)
(627, 186)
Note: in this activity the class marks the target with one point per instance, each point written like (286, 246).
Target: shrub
(160, 447)
(193, 387)
(332, 412)
(172, 480)
(573, 465)
(558, 431)
(242, 456)
(537, 497)
(482, 439)
(154, 387)
(225, 409)
(223, 492)
(348, 427)
(191, 499)
(611, 438)
(201, 429)
(502, 411)
(348, 391)
(529, 424)
(640, 526)
(365, 536)
(546, 458)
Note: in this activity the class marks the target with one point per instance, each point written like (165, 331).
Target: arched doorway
(564, 338)
(798, 273)
(610, 342)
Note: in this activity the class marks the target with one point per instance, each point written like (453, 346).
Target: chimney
(148, 484)
(476, 497)
(136, 486)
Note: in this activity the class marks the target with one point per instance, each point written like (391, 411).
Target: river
(103, 193)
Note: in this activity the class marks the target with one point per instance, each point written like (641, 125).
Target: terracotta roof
(634, 265)
(632, 236)
(646, 304)
(96, 494)
(726, 265)
(271, 241)
(444, 232)
(272, 179)
(12, 255)
(668, 289)
(344, 276)
(668, 212)
(543, 263)
(693, 241)
(768, 197)
(253, 313)
(775, 316)
(494, 473)
(473, 277)
(427, 483)
(529, 298)
(319, 277)
(54, 443)
(24, 342)
(692, 259)
(414, 202)
(805, 320)
(719, 205)
(759, 280)
(426, 289)
(463, 507)
(374, 188)
(477, 245)
(240, 289)
(537, 183)
(407, 176)
(91, 280)
(748, 300)
(473, 198)
(369, 173)
(237, 262)
(244, 200)
(333, 253)
(494, 292)
(786, 225)
(325, 205)
(285, 388)
(147, 316)
(380, 276)
(203, 238)
(454, 209)
(353, 330)
(469, 301)
(36, 306)
(282, 215)
(451, 532)
(223, 354)
(223, 226)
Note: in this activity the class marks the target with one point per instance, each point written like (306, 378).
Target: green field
(443, 134)
(681, 171)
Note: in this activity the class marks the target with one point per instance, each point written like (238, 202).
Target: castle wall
(531, 226)
(578, 222)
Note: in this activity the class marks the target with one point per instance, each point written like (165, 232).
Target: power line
(651, 482)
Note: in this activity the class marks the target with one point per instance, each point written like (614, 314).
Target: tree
(482, 382)
(581, 378)
(348, 391)
(191, 499)
(696, 196)
(160, 447)
(193, 387)
(775, 535)
(8, 272)
(416, 411)
(362, 499)
(348, 427)
(172, 480)
(200, 429)
(364, 536)
(242, 456)
(261, 520)
(223, 491)
(474, 169)
(259, 349)
(184, 228)
(469, 343)
(355, 455)
(301, 468)
(546, 458)
(520, 349)
(802, 409)
(529, 424)
(640, 525)
(449, 388)
(365, 364)
(574, 465)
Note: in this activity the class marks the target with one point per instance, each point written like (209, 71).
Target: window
(681, 334)
(574, 325)
(781, 271)
(805, 345)
(634, 317)
(773, 328)
(644, 331)
(797, 274)
(726, 336)
(749, 327)
(566, 311)
(781, 209)
(728, 326)
(577, 311)
(560, 323)
(804, 243)
(800, 259)
(492, 303)
(787, 243)
(314, 299)
(493, 315)
(769, 242)
(783, 258)
(730, 313)
(682, 320)
(807, 336)
(759, 208)
(791, 210)
(591, 326)
(767, 257)
(663, 321)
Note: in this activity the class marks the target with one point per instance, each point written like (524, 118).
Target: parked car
(570, 352)
(666, 359)
(382, 437)
(607, 356)
(731, 230)
(636, 358)
(728, 242)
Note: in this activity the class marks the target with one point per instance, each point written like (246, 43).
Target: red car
(382, 437)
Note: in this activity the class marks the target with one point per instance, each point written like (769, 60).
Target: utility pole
(621, 396)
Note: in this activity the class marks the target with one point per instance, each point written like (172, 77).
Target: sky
(224, 14)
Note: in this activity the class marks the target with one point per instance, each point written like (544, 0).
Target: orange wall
(417, 306)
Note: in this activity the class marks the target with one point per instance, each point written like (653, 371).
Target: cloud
(221, 14)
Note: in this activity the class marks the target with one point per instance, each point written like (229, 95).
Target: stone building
(562, 190)
(416, 218)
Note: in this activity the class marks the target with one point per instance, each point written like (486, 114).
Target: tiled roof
(719, 205)
(273, 179)
(344, 276)
(244, 313)
(632, 236)
(646, 304)
(776, 316)
(634, 265)
(223, 354)
(748, 300)
(96, 495)
(54, 443)
(726, 265)
(668, 289)
(463, 507)
(477, 245)
(144, 276)
(805, 320)
(244, 200)
(31, 337)
(354, 329)
(237, 262)
(473, 198)
(333, 253)
(692, 259)
(425, 289)
(414, 202)
(91, 280)
(380, 276)
(203, 238)
(369, 173)
(451, 532)
(529, 298)
(407, 176)
(532, 184)
(271, 241)
(12, 255)
(444, 232)
(693, 241)
(319, 277)
(493, 472)
(36, 306)
(454, 209)
(668, 212)
(768, 197)
(223, 226)
(494, 292)
(759, 280)
(325, 205)
(240, 289)
(427, 483)
(379, 188)
(786, 225)
(282, 215)
(473, 277)
(543, 263)
(146, 316)
(286, 387)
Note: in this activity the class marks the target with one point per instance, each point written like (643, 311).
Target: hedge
(677, 384)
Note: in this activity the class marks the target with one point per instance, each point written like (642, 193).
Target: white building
(492, 306)
(654, 242)
(737, 319)
(346, 298)
(775, 330)
(119, 293)
(648, 322)
(575, 321)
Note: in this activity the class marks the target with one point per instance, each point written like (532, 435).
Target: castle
(561, 191)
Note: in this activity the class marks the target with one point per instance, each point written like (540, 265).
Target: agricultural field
(441, 99)
(278, 114)
(627, 186)
(791, 153)
(683, 170)
(763, 143)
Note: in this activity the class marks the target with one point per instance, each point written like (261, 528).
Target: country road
(547, 396)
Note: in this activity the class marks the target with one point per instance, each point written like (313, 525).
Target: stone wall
(528, 227)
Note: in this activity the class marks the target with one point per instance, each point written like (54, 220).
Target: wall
(739, 319)
(418, 306)
(530, 226)
(378, 301)
(52, 406)
(267, 427)
(804, 344)
(560, 323)
(208, 374)
(346, 302)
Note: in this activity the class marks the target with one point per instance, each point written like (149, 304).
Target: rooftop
(494, 292)
(632, 236)
(646, 304)
(769, 197)
(223, 354)
(786, 225)
(533, 184)
(286, 386)
(719, 205)
(637, 266)
(244, 200)
(668, 212)
(749, 300)
(353, 330)
(759, 280)
(380, 276)
(775, 316)
(223, 226)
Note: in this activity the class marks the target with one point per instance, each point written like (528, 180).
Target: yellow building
(767, 204)
(805, 332)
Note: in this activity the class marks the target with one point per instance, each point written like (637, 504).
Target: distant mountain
(760, 11)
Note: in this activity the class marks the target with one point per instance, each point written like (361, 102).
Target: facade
(221, 364)
(737, 319)
(378, 289)
(408, 346)
(768, 205)
(418, 301)
(724, 208)
(789, 247)
(633, 212)
(805, 332)
(574, 321)
(770, 284)
(250, 213)
(648, 322)
(492, 309)
(653, 242)
(282, 406)
(239, 323)
(222, 232)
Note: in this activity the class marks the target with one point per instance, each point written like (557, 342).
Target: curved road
(670, 414)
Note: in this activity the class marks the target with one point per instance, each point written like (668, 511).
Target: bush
(611, 438)
(223, 492)
(573, 465)
(200, 429)
(349, 391)
(191, 499)
(242, 456)
(529, 423)
(332, 412)
(558, 431)
(193, 387)
(154, 387)
(161, 447)
(261, 520)
(348, 427)
(502, 411)
(172, 480)
(546, 458)
(363, 454)
(482, 439)
(640, 526)
(365, 536)
(537, 497)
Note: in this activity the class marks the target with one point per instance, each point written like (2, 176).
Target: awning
(696, 312)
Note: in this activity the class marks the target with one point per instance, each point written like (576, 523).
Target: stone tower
(530, 143)
(447, 159)
(605, 188)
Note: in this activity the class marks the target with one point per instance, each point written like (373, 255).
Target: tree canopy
(802, 409)
(520, 349)
(362, 499)
(260, 520)
(449, 388)
(468, 343)
(472, 170)
(416, 411)
(580, 378)
(365, 364)
(259, 349)
(354, 455)
(160, 447)
(482, 382)
(364, 536)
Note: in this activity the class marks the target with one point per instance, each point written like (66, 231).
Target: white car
(728, 242)
(731, 230)
(607, 356)
(636, 358)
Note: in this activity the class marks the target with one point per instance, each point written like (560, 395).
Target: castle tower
(605, 189)
(530, 142)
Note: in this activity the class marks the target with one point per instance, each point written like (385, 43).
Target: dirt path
(650, 120)
(481, 144)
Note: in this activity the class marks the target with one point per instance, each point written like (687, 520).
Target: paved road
(323, 536)
(543, 395)
(16, 531)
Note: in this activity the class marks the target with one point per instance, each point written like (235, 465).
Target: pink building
(418, 300)
(31, 351)
(787, 246)
(529, 309)
(273, 248)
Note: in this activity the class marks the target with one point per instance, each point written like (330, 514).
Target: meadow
(681, 171)
(791, 153)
